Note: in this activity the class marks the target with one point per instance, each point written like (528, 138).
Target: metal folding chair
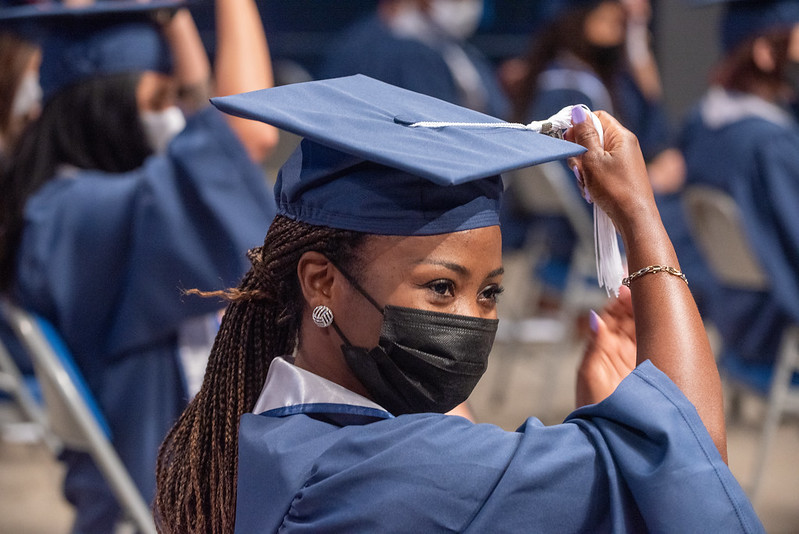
(15, 385)
(717, 227)
(74, 415)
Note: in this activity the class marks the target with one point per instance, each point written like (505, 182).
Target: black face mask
(425, 361)
(791, 76)
(606, 57)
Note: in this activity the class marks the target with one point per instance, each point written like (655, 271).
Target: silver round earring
(322, 316)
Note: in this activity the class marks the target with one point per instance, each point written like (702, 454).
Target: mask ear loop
(340, 334)
(358, 287)
(351, 280)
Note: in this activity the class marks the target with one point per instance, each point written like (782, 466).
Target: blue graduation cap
(104, 37)
(744, 19)
(364, 166)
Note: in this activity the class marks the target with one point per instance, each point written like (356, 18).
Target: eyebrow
(460, 269)
(496, 272)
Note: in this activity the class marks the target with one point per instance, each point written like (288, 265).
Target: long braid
(197, 463)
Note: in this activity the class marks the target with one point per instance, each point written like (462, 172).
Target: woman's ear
(316, 275)
(763, 55)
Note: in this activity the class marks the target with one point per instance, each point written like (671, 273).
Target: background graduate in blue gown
(742, 139)
(421, 45)
(111, 207)
(371, 310)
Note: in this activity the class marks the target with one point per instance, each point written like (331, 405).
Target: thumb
(583, 131)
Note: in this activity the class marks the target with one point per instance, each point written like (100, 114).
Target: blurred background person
(128, 188)
(20, 92)
(743, 139)
(421, 45)
(597, 53)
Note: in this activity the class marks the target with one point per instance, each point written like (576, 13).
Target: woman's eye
(444, 288)
(491, 293)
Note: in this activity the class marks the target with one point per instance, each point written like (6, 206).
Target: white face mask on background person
(28, 97)
(160, 127)
(459, 19)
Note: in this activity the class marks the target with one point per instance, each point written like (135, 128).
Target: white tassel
(609, 266)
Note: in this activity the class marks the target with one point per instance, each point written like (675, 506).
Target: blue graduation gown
(370, 48)
(105, 258)
(747, 147)
(640, 460)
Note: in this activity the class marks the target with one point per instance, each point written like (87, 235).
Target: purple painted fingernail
(593, 321)
(578, 115)
(588, 196)
(576, 172)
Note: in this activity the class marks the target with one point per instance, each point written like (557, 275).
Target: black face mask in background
(606, 58)
(791, 77)
(425, 361)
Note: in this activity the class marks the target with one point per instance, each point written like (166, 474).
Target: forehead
(476, 250)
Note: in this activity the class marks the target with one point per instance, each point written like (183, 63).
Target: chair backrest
(73, 413)
(717, 227)
(546, 190)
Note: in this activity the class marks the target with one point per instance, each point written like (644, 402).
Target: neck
(769, 90)
(319, 352)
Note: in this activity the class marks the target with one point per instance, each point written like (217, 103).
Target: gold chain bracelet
(652, 269)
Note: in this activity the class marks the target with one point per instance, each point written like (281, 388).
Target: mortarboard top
(362, 167)
(105, 37)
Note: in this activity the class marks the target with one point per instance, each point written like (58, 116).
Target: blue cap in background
(106, 37)
(744, 20)
(362, 167)
(747, 19)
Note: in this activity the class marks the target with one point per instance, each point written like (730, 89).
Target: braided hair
(197, 463)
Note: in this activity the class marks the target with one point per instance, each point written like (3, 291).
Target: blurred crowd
(121, 186)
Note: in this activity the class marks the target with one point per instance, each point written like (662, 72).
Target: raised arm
(668, 328)
(191, 66)
(243, 64)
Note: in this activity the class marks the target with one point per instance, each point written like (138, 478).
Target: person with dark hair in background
(114, 202)
(742, 139)
(371, 309)
(605, 63)
(598, 53)
(420, 45)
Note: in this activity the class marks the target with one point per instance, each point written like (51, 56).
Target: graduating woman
(371, 309)
(114, 203)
